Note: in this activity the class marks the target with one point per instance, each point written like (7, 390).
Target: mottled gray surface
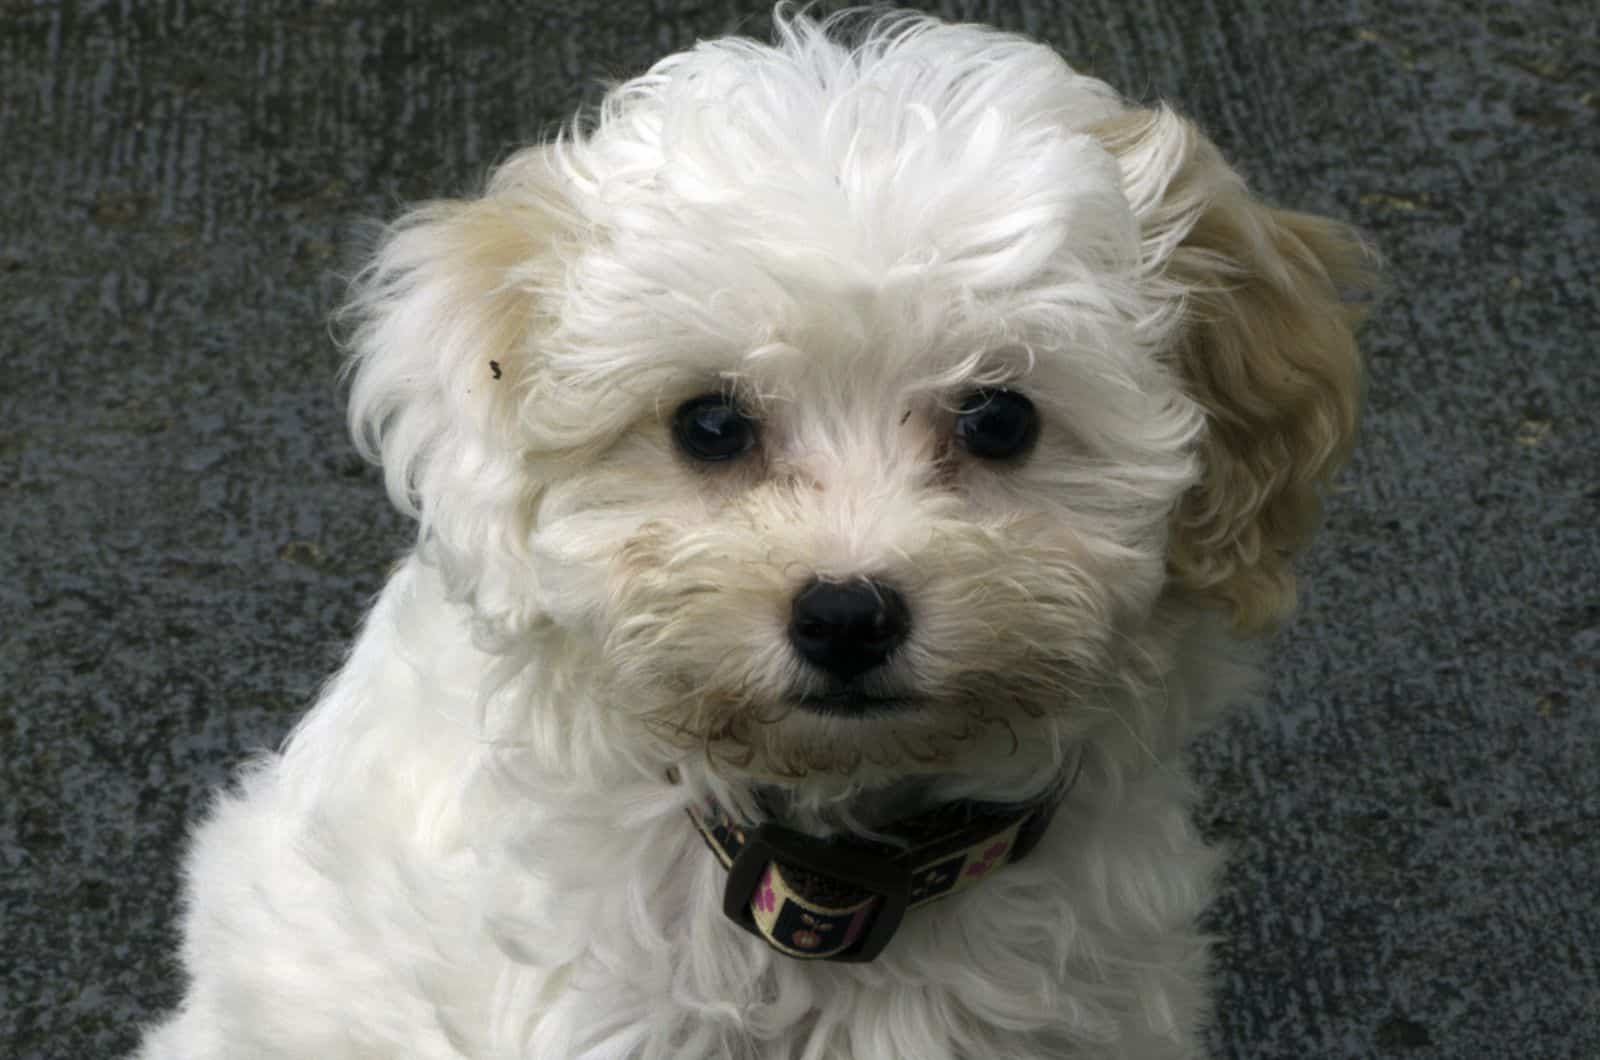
(188, 538)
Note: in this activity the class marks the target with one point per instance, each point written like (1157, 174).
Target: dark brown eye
(711, 428)
(996, 424)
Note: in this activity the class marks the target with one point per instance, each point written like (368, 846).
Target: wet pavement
(187, 539)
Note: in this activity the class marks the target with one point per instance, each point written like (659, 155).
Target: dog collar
(843, 900)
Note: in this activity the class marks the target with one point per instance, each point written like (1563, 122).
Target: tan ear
(1266, 345)
(443, 326)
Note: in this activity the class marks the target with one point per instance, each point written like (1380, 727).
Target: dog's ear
(443, 328)
(1265, 345)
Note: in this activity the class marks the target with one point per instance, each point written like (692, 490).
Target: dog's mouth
(849, 702)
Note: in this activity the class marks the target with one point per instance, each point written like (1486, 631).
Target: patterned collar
(842, 900)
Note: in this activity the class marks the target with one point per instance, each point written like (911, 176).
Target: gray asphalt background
(187, 538)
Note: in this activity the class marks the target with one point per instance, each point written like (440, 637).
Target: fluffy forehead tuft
(878, 167)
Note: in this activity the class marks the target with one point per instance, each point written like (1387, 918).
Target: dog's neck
(860, 813)
(844, 899)
(868, 809)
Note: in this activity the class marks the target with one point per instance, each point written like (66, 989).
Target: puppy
(847, 472)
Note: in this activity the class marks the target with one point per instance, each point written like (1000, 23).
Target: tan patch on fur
(1268, 348)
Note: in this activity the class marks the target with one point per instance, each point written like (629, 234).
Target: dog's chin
(856, 737)
(876, 728)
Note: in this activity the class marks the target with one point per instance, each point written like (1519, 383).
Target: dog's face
(860, 410)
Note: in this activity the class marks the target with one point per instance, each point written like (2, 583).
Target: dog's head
(838, 405)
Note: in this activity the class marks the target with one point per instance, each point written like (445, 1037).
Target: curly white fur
(470, 848)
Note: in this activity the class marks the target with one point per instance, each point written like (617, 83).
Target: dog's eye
(711, 427)
(997, 424)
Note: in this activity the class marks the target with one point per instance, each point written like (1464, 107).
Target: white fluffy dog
(888, 437)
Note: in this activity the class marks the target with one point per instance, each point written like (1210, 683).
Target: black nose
(847, 628)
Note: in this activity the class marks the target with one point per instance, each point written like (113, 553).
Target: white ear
(444, 349)
(1267, 347)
